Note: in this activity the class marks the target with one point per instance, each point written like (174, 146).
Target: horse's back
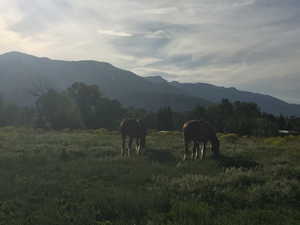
(197, 130)
(130, 127)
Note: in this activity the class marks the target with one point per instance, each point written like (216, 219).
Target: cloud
(251, 44)
(161, 11)
(38, 15)
(114, 33)
(160, 34)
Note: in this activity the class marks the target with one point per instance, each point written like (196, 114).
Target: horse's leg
(137, 143)
(194, 153)
(197, 150)
(203, 151)
(123, 145)
(186, 149)
(129, 146)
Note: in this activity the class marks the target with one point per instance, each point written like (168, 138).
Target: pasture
(78, 177)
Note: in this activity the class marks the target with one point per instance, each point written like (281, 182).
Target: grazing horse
(133, 129)
(198, 131)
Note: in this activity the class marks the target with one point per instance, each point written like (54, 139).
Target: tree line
(244, 118)
(83, 106)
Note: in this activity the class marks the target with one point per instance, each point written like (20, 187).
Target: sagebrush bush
(230, 138)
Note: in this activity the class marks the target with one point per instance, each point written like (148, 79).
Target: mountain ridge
(20, 72)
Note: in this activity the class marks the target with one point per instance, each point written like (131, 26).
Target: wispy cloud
(114, 33)
(161, 11)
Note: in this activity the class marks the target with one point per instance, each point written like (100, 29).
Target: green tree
(226, 108)
(165, 119)
(109, 113)
(282, 122)
(214, 116)
(57, 110)
(293, 123)
(198, 113)
(96, 111)
(226, 116)
(86, 97)
(246, 109)
(265, 127)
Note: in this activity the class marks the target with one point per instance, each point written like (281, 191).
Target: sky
(252, 45)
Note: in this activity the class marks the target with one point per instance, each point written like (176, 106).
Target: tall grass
(78, 177)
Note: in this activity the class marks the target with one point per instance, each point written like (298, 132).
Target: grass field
(78, 177)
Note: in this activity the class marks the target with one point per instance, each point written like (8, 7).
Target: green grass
(78, 177)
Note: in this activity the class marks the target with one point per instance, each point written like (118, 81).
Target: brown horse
(133, 129)
(198, 131)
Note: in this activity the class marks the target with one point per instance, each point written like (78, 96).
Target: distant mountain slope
(20, 73)
(157, 79)
(215, 94)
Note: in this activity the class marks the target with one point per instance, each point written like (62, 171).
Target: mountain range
(22, 74)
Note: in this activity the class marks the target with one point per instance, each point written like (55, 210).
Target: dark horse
(133, 129)
(198, 131)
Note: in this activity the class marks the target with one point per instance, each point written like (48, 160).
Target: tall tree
(165, 119)
(96, 111)
(199, 112)
(57, 110)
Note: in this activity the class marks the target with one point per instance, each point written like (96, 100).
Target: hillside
(215, 94)
(20, 74)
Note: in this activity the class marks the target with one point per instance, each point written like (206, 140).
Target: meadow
(78, 177)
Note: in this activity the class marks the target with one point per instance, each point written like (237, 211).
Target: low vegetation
(78, 177)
